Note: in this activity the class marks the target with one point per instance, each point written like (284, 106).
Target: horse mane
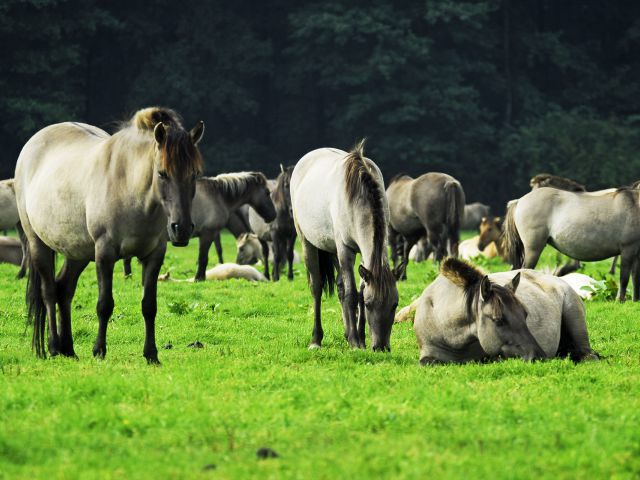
(234, 185)
(554, 181)
(178, 154)
(397, 177)
(360, 184)
(468, 277)
(278, 194)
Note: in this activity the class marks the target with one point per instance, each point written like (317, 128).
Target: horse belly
(588, 246)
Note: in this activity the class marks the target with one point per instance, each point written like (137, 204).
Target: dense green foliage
(491, 91)
(328, 413)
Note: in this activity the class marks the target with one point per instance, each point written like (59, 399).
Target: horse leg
(218, 244)
(361, 317)
(105, 261)
(346, 259)
(23, 245)
(150, 269)
(126, 263)
(409, 242)
(393, 243)
(291, 241)
(66, 283)
(635, 278)
(626, 264)
(206, 238)
(612, 270)
(312, 262)
(277, 243)
(43, 261)
(265, 258)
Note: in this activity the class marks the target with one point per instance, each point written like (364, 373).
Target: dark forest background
(490, 91)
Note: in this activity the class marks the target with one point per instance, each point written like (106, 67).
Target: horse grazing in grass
(433, 204)
(215, 199)
(473, 215)
(553, 181)
(281, 232)
(340, 209)
(583, 225)
(91, 196)
(465, 315)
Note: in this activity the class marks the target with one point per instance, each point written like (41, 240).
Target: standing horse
(340, 209)
(473, 215)
(281, 232)
(91, 196)
(433, 204)
(216, 198)
(582, 225)
(465, 315)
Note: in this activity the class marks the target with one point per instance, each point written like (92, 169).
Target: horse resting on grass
(340, 209)
(465, 315)
(91, 196)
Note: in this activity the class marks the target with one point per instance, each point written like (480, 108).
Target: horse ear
(398, 272)
(197, 132)
(281, 168)
(160, 133)
(515, 281)
(483, 219)
(364, 274)
(486, 288)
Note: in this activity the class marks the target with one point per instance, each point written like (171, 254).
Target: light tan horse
(91, 196)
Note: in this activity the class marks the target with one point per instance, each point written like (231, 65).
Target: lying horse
(340, 209)
(433, 204)
(281, 232)
(90, 196)
(224, 271)
(582, 225)
(465, 315)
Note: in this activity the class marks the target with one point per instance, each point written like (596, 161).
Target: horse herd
(91, 196)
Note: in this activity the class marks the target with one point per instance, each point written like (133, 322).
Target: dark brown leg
(206, 238)
(150, 270)
(104, 270)
(66, 283)
(265, 258)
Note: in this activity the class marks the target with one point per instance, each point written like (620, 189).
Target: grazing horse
(281, 232)
(215, 199)
(473, 215)
(91, 196)
(465, 315)
(340, 209)
(582, 225)
(553, 181)
(433, 204)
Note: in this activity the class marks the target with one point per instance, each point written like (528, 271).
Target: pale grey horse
(432, 204)
(465, 315)
(587, 226)
(340, 209)
(91, 196)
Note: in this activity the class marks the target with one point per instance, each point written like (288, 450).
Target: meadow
(328, 413)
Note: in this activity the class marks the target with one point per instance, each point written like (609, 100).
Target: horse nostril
(174, 228)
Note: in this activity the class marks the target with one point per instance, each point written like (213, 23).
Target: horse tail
(454, 197)
(37, 313)
(514, 248)
(327, 266)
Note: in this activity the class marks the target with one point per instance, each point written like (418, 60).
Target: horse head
(177, 164)
(490, 231)
(379, 297)
(282, 192)
(249, 249)
(501, 321)
(260, 199)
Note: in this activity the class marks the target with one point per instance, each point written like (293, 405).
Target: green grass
(330, 413)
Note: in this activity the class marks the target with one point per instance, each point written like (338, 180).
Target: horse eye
(163, 175)
(500, 321)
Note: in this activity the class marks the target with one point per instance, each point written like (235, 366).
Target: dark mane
(397, 177)
(554, 181)
(178, 154)
(234, 185)
(361, 185)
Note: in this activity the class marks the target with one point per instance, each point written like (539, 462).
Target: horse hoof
(99, 352)
(153, 361)
(314, 346)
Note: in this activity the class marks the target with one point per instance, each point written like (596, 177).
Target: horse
(554, 181)
(215, 199)
(281, 232)
(11, 251)
(250, 250)
(465, 315)
(224, 271)
(91, 196)
(473, 214)
(340, 209)
(8, 208)
(582, 225)
(433, 204)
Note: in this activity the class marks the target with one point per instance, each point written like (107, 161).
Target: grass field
(330, 413)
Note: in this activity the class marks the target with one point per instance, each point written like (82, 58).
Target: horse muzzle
(179, 235)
